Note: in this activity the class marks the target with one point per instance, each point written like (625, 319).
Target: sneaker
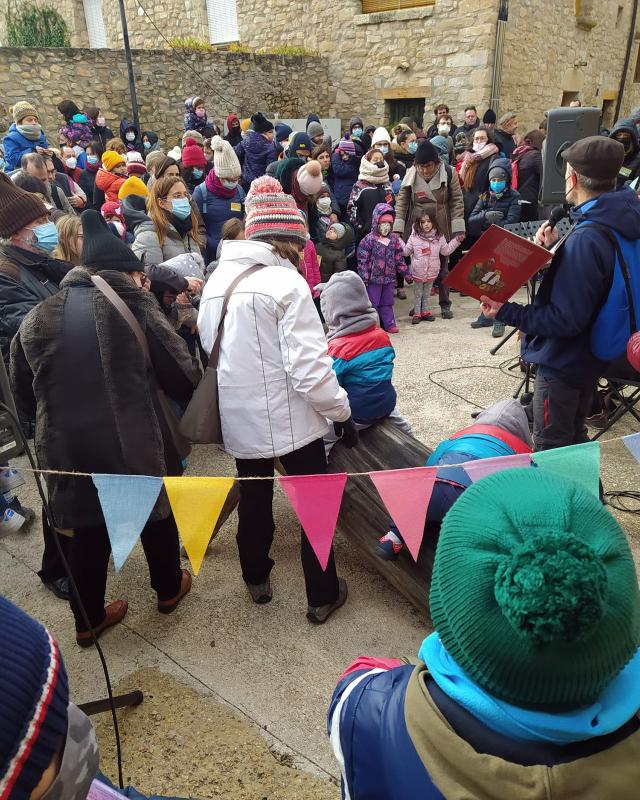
(10, 479)
(260, 592)
(411, 311)
(427, 316)
(28, 513)
(447, 313)
(402, 295)
(388, 547)
(482, 322)
(59, 587)
(498, 330)
(11, 521)
(416, 319)
(393, 330)
(321, 614)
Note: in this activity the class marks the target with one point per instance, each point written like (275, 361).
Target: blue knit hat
(34, 697)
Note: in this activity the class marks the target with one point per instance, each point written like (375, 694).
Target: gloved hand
(408, 280)
(493, 217)
(347, 432)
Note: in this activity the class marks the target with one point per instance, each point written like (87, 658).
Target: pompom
(265, 185)
(190, 142)
(552, 588)
(313, 168)
(217, 144)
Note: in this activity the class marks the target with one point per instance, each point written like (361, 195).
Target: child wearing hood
(77, 128)
(362, 353)
(500, 430)
(130, 136)
(345, 166)
(234, 133)
(256, 150)
(332, 250)
(195, 117)
(501, 202)
(380, 260)
(24, 136)
(150, 142)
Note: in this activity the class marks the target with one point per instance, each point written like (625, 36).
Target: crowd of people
(124, 268)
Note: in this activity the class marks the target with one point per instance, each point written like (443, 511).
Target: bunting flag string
(580, 462)
(482, 467)
(127, 502)
(406, 494)
(196, 504)
(316, 499)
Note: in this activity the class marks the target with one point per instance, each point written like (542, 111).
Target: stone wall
(230, 82)
(173, 17)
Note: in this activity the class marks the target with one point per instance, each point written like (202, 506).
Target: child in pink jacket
(310, 271)
(425, 246)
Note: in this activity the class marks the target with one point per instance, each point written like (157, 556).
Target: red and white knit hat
(272, 214)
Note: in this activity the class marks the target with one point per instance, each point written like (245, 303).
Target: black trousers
(89, 559)
(256, 526)
(52, 568)
(559, 413)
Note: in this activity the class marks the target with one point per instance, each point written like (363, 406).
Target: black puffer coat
(77, 366)
(332, 254)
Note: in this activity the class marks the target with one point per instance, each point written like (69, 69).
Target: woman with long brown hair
(172, 225)
(69, 239)
(474, 173)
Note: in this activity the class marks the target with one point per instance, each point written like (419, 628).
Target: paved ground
(221, 669)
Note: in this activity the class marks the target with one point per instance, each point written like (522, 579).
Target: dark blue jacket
(558, 325)
(508, 203)
(215, 212)
(255, 154)
(345, 174)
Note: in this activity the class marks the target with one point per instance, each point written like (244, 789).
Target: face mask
(118, 226)
(31, 130)
(384, 149)
(384, 228)
(77, 149)
(498, 187)
(101, 122)
(181, 208)
(412, 147)
(357, 132)
(46, 237)
(228, 184)
(146, 145)
(324, 205)
(71, 162)
(92, 160)
(443, 130)
(130, 137)
(478, 146)
(80, 761)
(197, 173)
(200, 112)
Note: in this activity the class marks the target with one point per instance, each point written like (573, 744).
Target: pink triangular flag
(316, 500)
(406, 494)
(487, 466)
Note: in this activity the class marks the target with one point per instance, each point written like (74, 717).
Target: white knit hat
(380, 135)
(225, 160)
(175, 153)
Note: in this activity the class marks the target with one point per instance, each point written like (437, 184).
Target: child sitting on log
(362, 353)
(500, 430)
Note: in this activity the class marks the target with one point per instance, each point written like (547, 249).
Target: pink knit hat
(272, 214)
(192, 155)
(310, 178)
(135, 163)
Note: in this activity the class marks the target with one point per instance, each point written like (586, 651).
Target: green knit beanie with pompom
(534, 590)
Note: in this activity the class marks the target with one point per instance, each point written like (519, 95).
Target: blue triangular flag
(632, 443)
(580, 462)
(127, 502)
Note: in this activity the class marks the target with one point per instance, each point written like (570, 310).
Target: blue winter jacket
(255, 153)
(345, 174)
(560, 322)
(215, 212)
(16, 145)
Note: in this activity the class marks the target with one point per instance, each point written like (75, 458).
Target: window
(95, 23)
(223, 21)
(373, 6)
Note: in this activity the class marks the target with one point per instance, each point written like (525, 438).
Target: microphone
(557, 213)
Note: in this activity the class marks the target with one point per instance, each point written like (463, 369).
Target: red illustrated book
(497, 265)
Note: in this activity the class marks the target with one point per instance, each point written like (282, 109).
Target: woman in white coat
(276, 384)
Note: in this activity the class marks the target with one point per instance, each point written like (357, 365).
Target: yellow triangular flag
(196, 504)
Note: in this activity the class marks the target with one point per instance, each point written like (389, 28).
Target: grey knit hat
(314, 129)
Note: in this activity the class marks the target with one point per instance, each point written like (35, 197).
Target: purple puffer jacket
(255, 153)
(77, 133)
(377, 262)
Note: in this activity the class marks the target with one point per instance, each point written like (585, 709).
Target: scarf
(92, 167)
(371, 173)
(183, 226)
(520, 151)
(616, 705)
(32, 131)
(214, 185)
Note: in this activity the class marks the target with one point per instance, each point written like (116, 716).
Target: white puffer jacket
(276, 383)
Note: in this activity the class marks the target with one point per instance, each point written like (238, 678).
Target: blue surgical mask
(147, 145)
(46, 237)
(412, 147)
(181, 208)
(92, 159)
(384, 149)
(3, 164)
(197, 173)
(498, 187)
(357, 132)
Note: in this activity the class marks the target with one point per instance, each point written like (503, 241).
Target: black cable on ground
(617, 500)
(500, 368)
(72, 583)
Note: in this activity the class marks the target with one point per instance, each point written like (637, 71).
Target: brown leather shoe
(168, 606)
(115, 611)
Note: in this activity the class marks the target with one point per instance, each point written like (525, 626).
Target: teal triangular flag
(581, 462)
(127, 502)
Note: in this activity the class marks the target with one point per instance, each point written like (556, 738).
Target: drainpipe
(496, 79)
(627, 58)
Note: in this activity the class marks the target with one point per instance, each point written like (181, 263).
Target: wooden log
(363, 516)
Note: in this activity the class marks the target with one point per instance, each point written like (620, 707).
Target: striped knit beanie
(23, 109)
(272, 214)
(34, 697)
(534, 591)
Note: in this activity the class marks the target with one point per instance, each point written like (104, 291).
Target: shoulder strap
(125, 312)
(448, 169)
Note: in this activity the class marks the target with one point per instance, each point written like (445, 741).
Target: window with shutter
(223, 21)
(373, 6)
(95, 23)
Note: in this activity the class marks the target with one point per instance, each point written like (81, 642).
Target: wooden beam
(418, 92)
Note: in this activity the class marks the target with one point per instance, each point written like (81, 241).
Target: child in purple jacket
(380, 259)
